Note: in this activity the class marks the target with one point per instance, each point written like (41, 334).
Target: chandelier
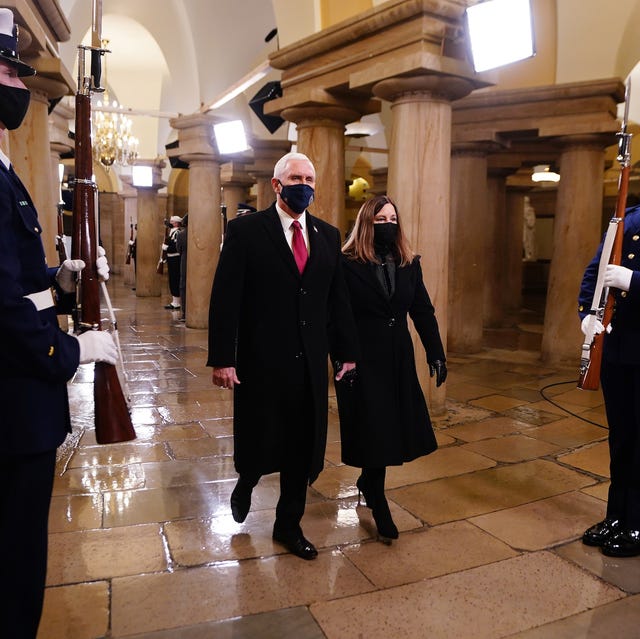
(112, 139)
(111, 130)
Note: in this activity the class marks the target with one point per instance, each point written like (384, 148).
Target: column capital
(328, 116)
(265, 154)
(156, 172)
(423, 87)
(195, 136)
(235, 174)
(593, 141)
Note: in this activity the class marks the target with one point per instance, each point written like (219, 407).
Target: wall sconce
(500, 32)
(543, 173)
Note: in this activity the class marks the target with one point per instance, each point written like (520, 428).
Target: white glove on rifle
(102, 266)
(618, 277)
(597, 325)
(97, 346)
(66, 275)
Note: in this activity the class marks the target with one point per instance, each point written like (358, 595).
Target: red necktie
(299, 247)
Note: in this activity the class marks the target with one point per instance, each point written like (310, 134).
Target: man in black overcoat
(36, 360)
(279, 304)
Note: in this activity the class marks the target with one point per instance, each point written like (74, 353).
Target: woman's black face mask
(385, 234)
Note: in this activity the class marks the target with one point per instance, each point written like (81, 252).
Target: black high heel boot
(371, 483)
(363, 490)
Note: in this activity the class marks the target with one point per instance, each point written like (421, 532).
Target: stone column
(197, 147)
(31, 158)
(468, 247)
(321, 137)
(576, 233)
(204, 235)
(380, 176)
(266, 153)
(496, 269)
(150, 234)
(419, 180)
(513, 238)
(236, 182)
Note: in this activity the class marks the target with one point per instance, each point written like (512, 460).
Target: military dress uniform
(36, 360)
(620, 378)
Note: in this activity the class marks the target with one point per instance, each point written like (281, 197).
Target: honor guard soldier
(36, 361)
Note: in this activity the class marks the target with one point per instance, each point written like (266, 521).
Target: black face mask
(385, 234)
(297, 196)
(14, 103)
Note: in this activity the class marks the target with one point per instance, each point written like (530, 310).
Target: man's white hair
(281, 165)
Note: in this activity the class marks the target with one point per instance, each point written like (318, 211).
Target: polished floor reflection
(142, 543)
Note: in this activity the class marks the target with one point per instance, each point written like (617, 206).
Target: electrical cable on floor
(584, 419)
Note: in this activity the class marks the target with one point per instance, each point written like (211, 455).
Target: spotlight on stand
(174, 160)
(230, 137)
(270, 91)
(500, 32)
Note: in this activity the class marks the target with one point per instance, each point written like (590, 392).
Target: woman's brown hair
(359, 244)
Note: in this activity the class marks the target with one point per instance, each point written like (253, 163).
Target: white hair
(281, 165)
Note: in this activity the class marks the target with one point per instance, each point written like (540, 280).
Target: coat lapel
(366, 272)
(274, 231)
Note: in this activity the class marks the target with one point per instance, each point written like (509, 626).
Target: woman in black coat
(384, 419)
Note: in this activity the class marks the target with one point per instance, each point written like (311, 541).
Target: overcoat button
(635, 238)
(631, 255)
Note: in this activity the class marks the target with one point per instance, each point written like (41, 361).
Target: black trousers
(621, 391)
(25, 496)
(297, 411)
(173, 266)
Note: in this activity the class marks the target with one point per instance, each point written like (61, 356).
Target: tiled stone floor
(142, 543)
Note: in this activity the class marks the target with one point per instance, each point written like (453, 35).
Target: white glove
(597, 325)
(97, 346)
(618, 277)
(102, 266)
(66, 275)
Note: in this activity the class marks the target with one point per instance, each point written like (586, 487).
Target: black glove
(439, 369)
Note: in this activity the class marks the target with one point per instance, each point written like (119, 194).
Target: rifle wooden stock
(112, 419)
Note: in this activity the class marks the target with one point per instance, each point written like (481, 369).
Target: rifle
(112, 419)
(130, 246)
(163, 249)
(603, 299)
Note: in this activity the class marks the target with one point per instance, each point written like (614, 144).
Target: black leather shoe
(297, 545)
(600, 532)
(625, 543)
(241, 501)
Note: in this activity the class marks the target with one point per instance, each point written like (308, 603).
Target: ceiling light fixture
(543, 173)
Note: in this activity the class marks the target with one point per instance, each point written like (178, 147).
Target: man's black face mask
(14, 103)
(297, 196)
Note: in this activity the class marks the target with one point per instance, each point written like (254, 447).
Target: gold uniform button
(631, 255)
(623, 294)
(581, 308)
(51, 351)
(635, 238)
